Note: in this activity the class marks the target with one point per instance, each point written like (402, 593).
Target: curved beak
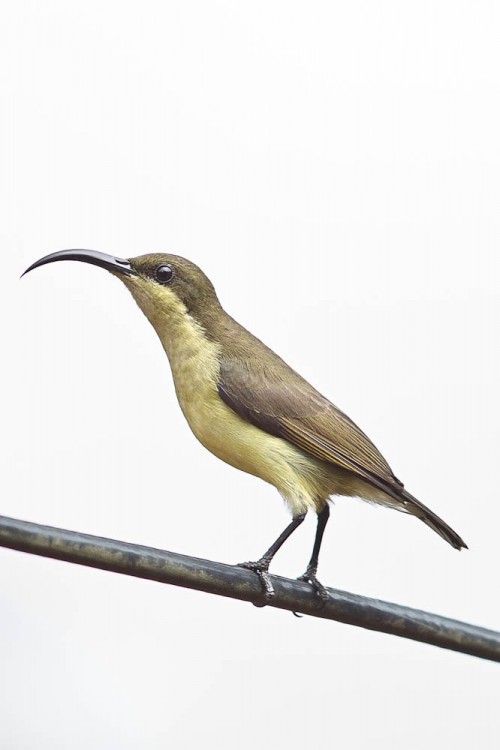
(109, 262)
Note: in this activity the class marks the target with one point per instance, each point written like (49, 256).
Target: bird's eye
(164, 274)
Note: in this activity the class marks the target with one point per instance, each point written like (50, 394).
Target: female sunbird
(250, 409)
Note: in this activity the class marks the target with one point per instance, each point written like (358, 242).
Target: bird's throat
(194, 359)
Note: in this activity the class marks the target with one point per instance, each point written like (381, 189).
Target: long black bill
(109, 262)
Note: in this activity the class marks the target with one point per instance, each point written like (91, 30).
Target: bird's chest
(195, 364)
(195, 377)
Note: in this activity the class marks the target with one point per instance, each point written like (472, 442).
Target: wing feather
(279, 401)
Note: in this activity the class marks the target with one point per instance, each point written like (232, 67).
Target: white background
(334, 168)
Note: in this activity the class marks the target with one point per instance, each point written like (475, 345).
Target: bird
(253, 411)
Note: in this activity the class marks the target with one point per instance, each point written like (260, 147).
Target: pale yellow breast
(195, 367)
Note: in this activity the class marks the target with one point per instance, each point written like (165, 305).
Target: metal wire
(238, 583)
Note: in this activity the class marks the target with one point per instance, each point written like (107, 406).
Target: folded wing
(276, 399)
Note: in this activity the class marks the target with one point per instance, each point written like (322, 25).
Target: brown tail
(428, 517)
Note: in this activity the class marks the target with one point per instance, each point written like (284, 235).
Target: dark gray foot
(261, 567)
(310, 577)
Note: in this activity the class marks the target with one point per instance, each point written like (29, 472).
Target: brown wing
(273, 397)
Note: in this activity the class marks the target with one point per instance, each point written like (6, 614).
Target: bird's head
(166, 287)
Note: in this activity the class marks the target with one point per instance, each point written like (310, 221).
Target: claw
(261, 567)
(310, 577)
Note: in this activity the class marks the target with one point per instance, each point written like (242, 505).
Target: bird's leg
(310, 574)
(261, 567)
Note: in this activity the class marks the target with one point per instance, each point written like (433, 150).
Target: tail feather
(434, 522)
